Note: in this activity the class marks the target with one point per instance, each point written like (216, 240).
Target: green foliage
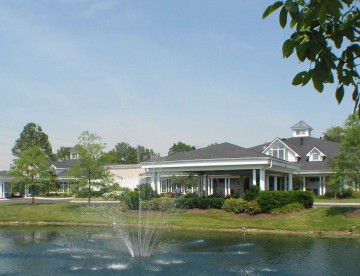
(86, 193)
(134, 199)
(356, 195)
(252, 193)
(199, 202)
(30, 168)
(235, 205)
(209, 202)
(185, 181)
(63, 153)
(90, 168)
(326, 34)
(124, 153)
(334, 134)
(305, 198)
(347, 164)
(159, 204)
(253, 208)
(31, 136)
(180, 147)
(292, 207)
(269, 200)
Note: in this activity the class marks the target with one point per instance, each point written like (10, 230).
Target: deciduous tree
(326, 34)
(32, 135)
(30, 167)
(90, 167)
(63, 153)
(334, 134)
(180, 147)
(347, 164)
(124, 153)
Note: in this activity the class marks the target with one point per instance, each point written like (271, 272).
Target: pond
(97, 251)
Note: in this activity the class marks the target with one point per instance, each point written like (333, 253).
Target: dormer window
(316, 155)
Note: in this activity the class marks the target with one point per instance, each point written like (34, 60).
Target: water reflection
(95, 251)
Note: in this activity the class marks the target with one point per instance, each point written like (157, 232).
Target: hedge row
(269, 200)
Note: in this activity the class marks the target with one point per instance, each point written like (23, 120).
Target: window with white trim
(316, 156)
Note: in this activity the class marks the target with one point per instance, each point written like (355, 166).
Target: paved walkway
(336, 204)
(37, 200)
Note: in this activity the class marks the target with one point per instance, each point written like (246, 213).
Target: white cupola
(301, 129)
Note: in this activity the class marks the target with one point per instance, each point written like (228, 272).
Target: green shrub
(84, 193)
(185, 203)
(356, 195)
(191, 195)
(158, 204)
(132, 199)
(292, 207)
(347, 193)
(328, 195)
(251, 193)
(253, 208)
(168, 194)
(235, 205)
(269, 200)
(208, 202)
(305, 198)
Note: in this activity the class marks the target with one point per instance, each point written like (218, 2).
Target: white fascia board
(285, 167)
(210, 163)
(313, 173)
(122, 166)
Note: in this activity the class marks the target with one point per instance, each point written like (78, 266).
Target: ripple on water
(117, 266)
(169, 262)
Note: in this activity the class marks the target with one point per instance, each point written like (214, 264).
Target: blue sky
(152, 73)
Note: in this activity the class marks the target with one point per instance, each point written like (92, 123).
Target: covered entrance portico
(228, 176)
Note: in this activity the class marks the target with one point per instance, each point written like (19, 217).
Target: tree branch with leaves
(326, 34)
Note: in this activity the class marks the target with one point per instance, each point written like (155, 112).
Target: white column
(158, 182)
(262, 180)
(324, 183)
(320, 186)
(254, 177)
(212, 185)
(290, 182)
(267, 182)
(152, 181)
(225, 187)
(304, 184)
(275, 183)
(285, 183)
(229, 186)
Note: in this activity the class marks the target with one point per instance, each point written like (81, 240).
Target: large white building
(229, 169)
(225, 168)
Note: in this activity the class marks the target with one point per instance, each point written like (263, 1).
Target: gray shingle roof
(301, 125)
(63, 164)
(303, 145)
(218, 151)
(3, 173)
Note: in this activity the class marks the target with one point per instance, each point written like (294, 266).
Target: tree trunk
(89, 194)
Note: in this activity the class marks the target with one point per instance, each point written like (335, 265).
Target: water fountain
(142, 235)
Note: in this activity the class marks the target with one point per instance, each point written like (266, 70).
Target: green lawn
(316, 220)
(344, 200)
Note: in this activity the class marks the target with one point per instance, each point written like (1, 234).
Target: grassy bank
(312, 220)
